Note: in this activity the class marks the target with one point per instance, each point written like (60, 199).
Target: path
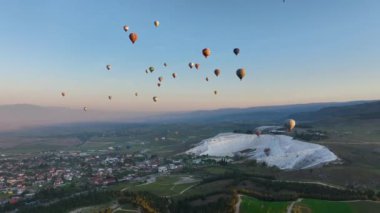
(237, 206)
(313, 182)
(290, 207)
(183, 191)
(125, 210)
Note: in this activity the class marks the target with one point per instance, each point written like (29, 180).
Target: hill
(370, 110)
(18, 116)
(275, 150)
(258, 114)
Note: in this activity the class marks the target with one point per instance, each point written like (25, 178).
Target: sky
(300, 51)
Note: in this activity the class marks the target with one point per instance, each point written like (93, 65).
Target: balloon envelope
(133, 37)
(197, 66)
(206, 52)
(290, 124)
(258, 133)
(240, 73)
(217, 72)
(236, 51)
(157, 23)
(126, 28)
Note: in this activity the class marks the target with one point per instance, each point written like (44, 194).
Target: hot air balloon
(191, 65)
(85, 109)
(165, 65)
(158, 84)
(133, 37)
(217, 72)
(206, 52)
(174, 75)
(155, 98)
(156, 23)
(136, 94)
(290, 124)
(197, 66)
(160, 79)
(109, 97)
(63, 94)
(215, 92)
(240, 73)
(146, 71)
(151, 69)
(126, 28)
(236, 51)
(206, 78)
(108, 67)
(258, 133)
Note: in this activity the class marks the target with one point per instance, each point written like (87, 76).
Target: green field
(250, 204)
(317, 206)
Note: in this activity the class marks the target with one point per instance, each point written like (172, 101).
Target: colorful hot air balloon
(108, 67)
(258, 133)
(174, 75)
(197, 66)
(158, 84)
(126, 28)
(109, 97)
(206, 78)
(217, 72)
(191, 65)
(165, 65)
(236, 51)
(151, 69)
(133, 37)
(215, 92)
(63, 94)
(146, 71)
(85, 109)
(136, 94)
(206, 52)
(160, 79)
(290, 124)
(240, 73)
(155, 98)
(156, 23)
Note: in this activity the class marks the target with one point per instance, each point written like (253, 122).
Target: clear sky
(295, 52)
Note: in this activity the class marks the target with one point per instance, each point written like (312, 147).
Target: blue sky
(297, 52)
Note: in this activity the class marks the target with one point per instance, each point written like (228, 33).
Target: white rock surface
(285, 152)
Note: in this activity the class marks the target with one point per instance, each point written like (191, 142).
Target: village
(22, 178)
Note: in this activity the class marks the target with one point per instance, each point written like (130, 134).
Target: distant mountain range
(13, 117)
(20, 116)
(264, 113)
(368, 110)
